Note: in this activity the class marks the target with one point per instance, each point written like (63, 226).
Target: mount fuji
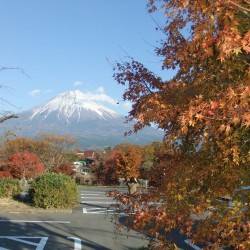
(72, 113)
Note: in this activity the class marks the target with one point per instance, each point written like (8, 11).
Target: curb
(33, 210)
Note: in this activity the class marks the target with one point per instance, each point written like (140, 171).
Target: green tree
(53, 190)
(150, 154)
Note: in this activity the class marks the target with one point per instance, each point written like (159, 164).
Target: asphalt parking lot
(79, 228)
(88, 226)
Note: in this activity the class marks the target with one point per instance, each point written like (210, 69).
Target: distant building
(85, 159)
(90, 154)
(78, 166)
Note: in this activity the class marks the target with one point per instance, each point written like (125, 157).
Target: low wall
(86, 180)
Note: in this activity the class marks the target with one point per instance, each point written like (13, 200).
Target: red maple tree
(204, 110)
(25, 164)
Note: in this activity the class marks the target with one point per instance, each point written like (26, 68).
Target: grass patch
(6, 203)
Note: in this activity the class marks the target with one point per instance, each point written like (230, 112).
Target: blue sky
(64, 45)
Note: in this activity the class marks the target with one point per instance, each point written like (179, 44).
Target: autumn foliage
(52, 150)
(109, 175)
(117, 164)
(25, 164)
(66, 168)
(5, 174)
(204, 110)
(127, 159)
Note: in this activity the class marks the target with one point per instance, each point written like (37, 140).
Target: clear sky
(64, 45)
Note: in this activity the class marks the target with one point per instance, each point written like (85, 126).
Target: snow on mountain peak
(73, 102)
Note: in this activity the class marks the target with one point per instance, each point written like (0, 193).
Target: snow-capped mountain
(73, 106)
(73, 113)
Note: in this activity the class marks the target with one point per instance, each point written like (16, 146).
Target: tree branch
(10, 68)
(7, 117)
(239, 6)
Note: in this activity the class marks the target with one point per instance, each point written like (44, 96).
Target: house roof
(87, 153)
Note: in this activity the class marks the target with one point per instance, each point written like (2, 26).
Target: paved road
(88, 227)
(95, 201)
(81, 229)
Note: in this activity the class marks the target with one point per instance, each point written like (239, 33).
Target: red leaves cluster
(53, 150)
(204, 110)
(221, 119)
(5, 174)
(25, 164)
(66, 168)
(245, 42)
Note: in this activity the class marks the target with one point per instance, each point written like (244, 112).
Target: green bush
(53, 190)
(9, 187)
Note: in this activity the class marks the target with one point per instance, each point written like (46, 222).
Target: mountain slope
(90, 123)
(73, 107)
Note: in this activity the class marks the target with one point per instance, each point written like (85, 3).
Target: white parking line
(89, 192)
(77, 243)
(99, 197)
(192, 245)
(97, 202)
(39, 246)
(36, 221)
(95, 208)
(99, 211)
